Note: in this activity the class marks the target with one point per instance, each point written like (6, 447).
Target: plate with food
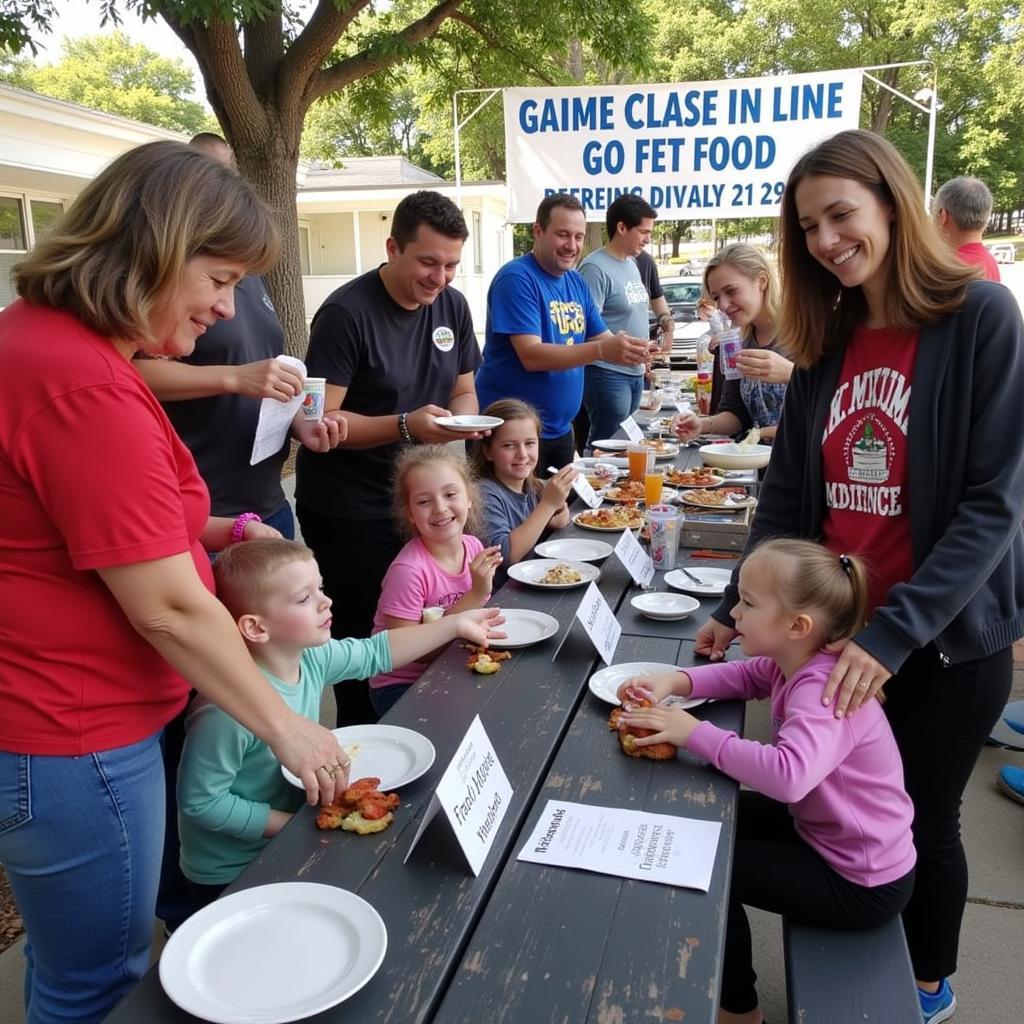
(391, 753)
(611, 444)
(553, 574)
(611, 520)
(664, 606)
(575, 549)
(605, 684)
(589, 463)
(693, 477)
(709, 582)
(663, 449)
(659, 425)
(468, 424)
(279, 952)
(633, 490)
(723, 499)
(523, 627)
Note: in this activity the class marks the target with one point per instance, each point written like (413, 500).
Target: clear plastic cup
(664, 522)
(730, 346)
(641, 458)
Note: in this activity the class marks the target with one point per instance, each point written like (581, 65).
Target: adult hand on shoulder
(312, 753)
(258, 531)
(857, 676)
(764, 365)
(267, 379)
(624, 349)
(712, 639)
(320, 435)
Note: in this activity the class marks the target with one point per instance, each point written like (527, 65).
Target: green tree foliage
(109, 72)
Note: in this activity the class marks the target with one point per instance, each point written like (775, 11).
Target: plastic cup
(664, 523)
(653, 484)
(314, 391)
(730, 347)
(641, 458)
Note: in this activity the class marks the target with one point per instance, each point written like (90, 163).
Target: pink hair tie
(238, 529)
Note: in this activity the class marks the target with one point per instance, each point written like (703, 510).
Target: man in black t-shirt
(398, 350)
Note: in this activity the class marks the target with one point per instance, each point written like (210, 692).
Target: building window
(12, 225)
(478, 244)
(304, 250)
(19, 233)
(45, 213)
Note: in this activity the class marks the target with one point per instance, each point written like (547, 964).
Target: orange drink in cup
(653, 482)
(638, 460)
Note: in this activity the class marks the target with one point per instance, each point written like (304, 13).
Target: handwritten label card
(474, 794)
(632, 429)
(629, 844)
(638, 563)
(581, 485)
(599, 622)
(276, 418)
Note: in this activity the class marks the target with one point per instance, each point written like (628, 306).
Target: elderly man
(398, 350)
(962, 209)
(543, 328)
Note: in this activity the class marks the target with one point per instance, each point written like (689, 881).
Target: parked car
(681, 294)
(1002, 252)
(695, 265)
(684, 344)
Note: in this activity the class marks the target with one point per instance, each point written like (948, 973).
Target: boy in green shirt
(232, 797)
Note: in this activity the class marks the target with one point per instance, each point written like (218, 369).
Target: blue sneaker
(937, 1006)
(1011, 781)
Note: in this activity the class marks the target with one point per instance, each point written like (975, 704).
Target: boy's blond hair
(242, 571)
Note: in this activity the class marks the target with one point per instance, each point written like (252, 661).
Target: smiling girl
(518, 508)
(901, 440)
(442, 566)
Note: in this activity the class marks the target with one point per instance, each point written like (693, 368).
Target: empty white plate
(605, 684)
(575, 550)
(664, 606)
(533, 571)
(469, 423)
(523, 627)
(273, 953)
(611, 444)
(390, 753)
(712, 581)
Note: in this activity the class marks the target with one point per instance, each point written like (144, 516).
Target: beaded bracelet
(238, 529)
(403, 428)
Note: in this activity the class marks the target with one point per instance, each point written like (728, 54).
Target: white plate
(605, 684)
(718, 483)
(273, 953)
(600, 529)
(469, 423)
(664, 606)
(670, 452)
(667, 494)
(532, 572)
(390, 753)
(523, 628)
(586, 465)
(714, 580)
(575, 550)
(728, 506)
(611, 444)
(735, 456)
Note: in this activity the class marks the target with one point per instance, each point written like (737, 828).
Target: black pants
(353, 555)
(555, 451)
(941, 718)
(775, 870)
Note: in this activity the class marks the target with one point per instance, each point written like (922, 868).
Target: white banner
(693, 151)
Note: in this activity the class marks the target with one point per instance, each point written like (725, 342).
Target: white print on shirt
(636, 293)
(268, 303)
(868, 444)
(568, 318)
(444, 339)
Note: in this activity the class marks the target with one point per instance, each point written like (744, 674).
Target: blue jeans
(283, 521)
(609, 397)
(384, 698)
(81, 839)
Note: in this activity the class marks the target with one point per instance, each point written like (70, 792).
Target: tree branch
(311, 48)
(264, 48)
(497, 44)
(368, 62)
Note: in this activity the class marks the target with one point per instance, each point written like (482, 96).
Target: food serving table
(523, 941)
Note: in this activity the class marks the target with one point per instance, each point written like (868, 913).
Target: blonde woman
(741, 282)
(107, 612)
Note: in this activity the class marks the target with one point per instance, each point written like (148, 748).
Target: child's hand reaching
(655, 688)
(482, 569)
(556, 490)
(672, 725)
(479, 625)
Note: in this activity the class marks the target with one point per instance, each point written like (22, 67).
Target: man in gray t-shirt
(611, 392)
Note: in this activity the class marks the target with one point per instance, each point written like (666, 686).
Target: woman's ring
(330, 769)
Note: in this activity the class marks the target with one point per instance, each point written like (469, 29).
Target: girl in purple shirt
(823, 836)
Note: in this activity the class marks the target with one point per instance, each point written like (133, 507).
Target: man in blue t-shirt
(543, 328)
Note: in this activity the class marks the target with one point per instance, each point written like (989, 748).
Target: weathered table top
(523, 941)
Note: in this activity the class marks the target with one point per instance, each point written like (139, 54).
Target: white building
(50, 148)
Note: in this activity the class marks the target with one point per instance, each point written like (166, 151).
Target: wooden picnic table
(522, 941)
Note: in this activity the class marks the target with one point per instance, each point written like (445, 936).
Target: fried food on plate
(628, 734)
(361, 808)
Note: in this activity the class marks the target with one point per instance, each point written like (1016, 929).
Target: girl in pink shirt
(825, 839)
(442, 567)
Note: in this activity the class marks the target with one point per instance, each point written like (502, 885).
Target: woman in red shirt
(106, 603)
(900, 441)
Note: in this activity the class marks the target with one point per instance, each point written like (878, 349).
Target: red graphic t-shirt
(864, 457)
